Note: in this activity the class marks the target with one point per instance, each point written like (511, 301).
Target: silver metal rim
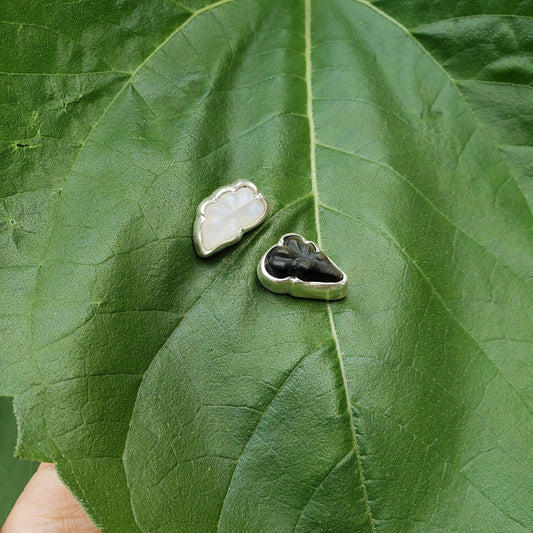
(298, 288)
(200, 217)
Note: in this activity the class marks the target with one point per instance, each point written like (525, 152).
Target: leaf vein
(427, 200)
(470, 17)
(398, 246)
(409, 35)
(326, 477)
(262, 417)
(447, 463)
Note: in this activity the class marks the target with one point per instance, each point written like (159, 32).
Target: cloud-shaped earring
(297, 267)
(223, 217)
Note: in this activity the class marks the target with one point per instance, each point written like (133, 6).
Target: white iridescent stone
(225, 216)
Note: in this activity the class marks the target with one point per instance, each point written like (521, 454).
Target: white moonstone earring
(223, 217)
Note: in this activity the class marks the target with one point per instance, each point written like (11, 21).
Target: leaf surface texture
(177, 394)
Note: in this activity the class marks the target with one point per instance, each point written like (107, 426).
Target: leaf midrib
(316, 195)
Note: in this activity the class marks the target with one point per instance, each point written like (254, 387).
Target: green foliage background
(14, 473)
(176, 394)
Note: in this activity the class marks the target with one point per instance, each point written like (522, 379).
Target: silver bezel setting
(201, 250)
(298, 288)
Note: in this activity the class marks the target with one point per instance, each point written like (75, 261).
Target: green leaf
(14, 473)
(177, 394)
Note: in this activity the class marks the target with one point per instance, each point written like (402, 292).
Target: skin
(47, 506)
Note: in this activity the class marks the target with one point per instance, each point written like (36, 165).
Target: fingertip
(46, 506)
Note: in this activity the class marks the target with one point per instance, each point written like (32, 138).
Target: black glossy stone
(296, 258)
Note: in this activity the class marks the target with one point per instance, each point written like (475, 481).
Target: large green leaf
(14, 473)
(176, 394)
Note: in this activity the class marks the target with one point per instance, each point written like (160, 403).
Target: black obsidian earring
(297, 267)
